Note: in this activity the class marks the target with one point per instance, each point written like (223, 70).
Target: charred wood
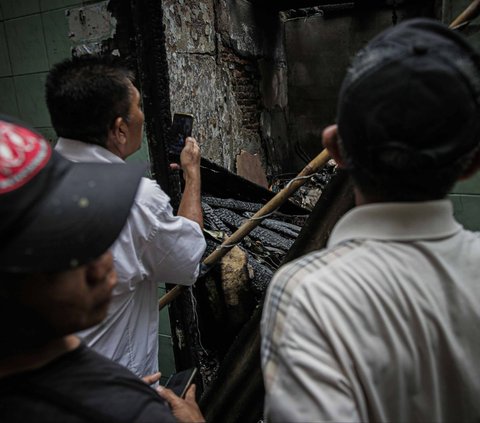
(265, 236)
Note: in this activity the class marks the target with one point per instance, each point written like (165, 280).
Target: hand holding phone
(179, 382)
(181, 129)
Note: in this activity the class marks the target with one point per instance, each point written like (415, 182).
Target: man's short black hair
(409, 112)
(86, 94)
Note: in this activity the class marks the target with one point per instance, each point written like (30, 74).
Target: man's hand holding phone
(190, 158)
(182, 143)
(184, 410)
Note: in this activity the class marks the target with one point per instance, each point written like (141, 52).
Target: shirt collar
(77, 151)
(397, 222)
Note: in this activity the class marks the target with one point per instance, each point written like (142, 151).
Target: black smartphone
(181, 129)
(179, 382)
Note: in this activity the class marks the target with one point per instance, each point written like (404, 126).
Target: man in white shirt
(384, 324)
(96, 111)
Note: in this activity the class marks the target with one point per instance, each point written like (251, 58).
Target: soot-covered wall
(318, 50)
(217, 51)
(265, 80)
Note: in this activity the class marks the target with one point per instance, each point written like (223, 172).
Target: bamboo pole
(470, 13)
(252, 223)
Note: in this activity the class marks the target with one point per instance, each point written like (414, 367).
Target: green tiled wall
(26, 45)
(465, 197)
(8, 99)
(33, 37)
(16, 8)
(166, 360)
(56, 37)
(5, 66)
(30, 98)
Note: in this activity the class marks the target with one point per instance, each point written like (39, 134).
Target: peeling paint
(189, 26)
(90, 24)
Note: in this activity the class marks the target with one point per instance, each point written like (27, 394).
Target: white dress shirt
(154, 246)
(384, 325)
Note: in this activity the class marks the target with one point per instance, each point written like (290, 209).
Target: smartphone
(179, 382)
(181, 129)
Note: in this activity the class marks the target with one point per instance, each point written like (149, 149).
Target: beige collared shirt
(384, 325)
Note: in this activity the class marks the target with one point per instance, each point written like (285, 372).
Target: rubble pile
(225, 298)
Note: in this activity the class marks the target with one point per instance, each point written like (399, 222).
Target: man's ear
(117, 137)
(120, 129)
(472, 168)
(331, 141)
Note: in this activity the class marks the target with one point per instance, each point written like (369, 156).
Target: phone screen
(181, 129)
(179, 382)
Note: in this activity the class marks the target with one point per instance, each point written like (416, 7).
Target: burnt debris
(222, 301)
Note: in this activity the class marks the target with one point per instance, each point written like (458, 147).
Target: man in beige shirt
(384, 325)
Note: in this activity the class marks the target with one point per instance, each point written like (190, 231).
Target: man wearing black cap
(384, 325)
(57, 221)
(96, 112)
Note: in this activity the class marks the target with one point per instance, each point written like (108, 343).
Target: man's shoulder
(150, 194)
(149, 188)
(294, 273)
(91, 386)
(293, 279)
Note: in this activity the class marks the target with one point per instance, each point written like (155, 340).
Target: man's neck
(38, 357)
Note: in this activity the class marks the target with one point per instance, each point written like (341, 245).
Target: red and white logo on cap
(22, 155)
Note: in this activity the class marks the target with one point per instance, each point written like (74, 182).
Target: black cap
(56, 214)
(414, 88)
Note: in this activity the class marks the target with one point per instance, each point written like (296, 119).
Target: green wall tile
(166, 360)
(1, 11)
(164, 323)
(16, 8)
(56, 36)
(5, 68)
(31, 99)
(469, 186)
(142, 155)
(46, 5)
(26, 45)
(8, 99)
(467, 210)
